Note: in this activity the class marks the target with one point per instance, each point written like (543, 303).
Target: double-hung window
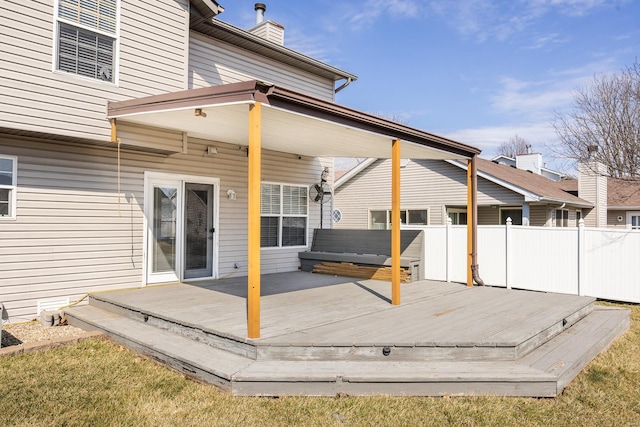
(457, 216)
(562, 218)
(633, 220)
(8, 183)
(284, 212)
(86, 38)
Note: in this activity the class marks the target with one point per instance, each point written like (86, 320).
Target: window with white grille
(283, 210)
(8, 184)
(86, 38)
(381, 220)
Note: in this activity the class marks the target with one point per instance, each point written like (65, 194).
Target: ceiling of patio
(286, 130)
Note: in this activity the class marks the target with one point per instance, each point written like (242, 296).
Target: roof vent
(260, 9)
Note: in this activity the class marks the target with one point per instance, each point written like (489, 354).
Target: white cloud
(484, 19)
(539, 134)
(533, 100)
(546, 40)
(527, 107)
(365, 14)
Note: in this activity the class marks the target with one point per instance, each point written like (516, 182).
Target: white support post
(581, 257)
(507, 257)
(525, 214)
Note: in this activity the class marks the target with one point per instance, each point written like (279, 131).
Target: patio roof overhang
(291, 123)
(262, 116)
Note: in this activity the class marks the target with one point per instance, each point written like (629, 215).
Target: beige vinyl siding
(152, 59)
(212, 62)
(612, 219)
(430, 184)
(539, 215)
(149, 138)
(488, 215)
(69, 237)
(593, 188)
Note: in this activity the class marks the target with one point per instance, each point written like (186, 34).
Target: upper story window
(86, 38)
(8, 183)
(284, 212)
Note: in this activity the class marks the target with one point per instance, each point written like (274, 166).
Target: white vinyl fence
(581, 261)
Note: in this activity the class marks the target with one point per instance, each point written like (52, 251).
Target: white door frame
(179, 180)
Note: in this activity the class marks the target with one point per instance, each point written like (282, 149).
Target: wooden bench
(364, 248)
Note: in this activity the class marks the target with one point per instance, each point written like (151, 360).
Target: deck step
(321, 343)
(182, 354)
(568, 353)
(213, 338)
(544, 372)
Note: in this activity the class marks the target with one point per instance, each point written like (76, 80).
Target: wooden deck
(323, 334)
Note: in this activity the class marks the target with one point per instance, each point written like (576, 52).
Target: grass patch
(99, 383)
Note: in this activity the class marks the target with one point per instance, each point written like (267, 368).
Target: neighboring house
(618, 200)
(531, 162)
(433, 191)
(132, 135)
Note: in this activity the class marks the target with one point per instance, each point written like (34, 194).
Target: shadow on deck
(322, 335)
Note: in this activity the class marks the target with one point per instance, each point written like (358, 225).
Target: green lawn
(98, 383)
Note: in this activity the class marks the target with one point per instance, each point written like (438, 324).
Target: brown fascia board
(191, 98)
(238, 37)
(206, 8)
(303, 104)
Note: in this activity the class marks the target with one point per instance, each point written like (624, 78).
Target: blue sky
(477, 71)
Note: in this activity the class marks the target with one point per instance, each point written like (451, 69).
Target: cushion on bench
(363, 247)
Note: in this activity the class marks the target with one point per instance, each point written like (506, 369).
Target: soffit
(291, 123)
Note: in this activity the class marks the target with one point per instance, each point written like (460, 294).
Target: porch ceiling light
(199, 113)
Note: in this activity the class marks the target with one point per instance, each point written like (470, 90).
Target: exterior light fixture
(199, 113)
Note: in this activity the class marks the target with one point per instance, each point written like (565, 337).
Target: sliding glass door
(181, 237)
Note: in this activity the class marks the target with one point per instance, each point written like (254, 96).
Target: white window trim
(282, 215)
(457, 211)
(116, 37)
(13, 189)
(629, 215)
(388, 211)
(555, 218)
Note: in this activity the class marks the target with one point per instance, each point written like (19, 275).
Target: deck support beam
(395, 222)
(253, 280)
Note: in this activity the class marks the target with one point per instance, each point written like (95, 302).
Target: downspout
(345, 84)
(474, 229)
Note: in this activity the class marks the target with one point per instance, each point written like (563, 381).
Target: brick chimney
(268, 30)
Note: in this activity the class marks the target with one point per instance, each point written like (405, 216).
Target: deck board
(322, 334)
(310, 309)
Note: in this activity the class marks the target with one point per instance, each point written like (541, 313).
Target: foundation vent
(52, 304)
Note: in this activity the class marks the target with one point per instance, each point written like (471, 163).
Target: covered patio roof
(262, 116)
(291, 122)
